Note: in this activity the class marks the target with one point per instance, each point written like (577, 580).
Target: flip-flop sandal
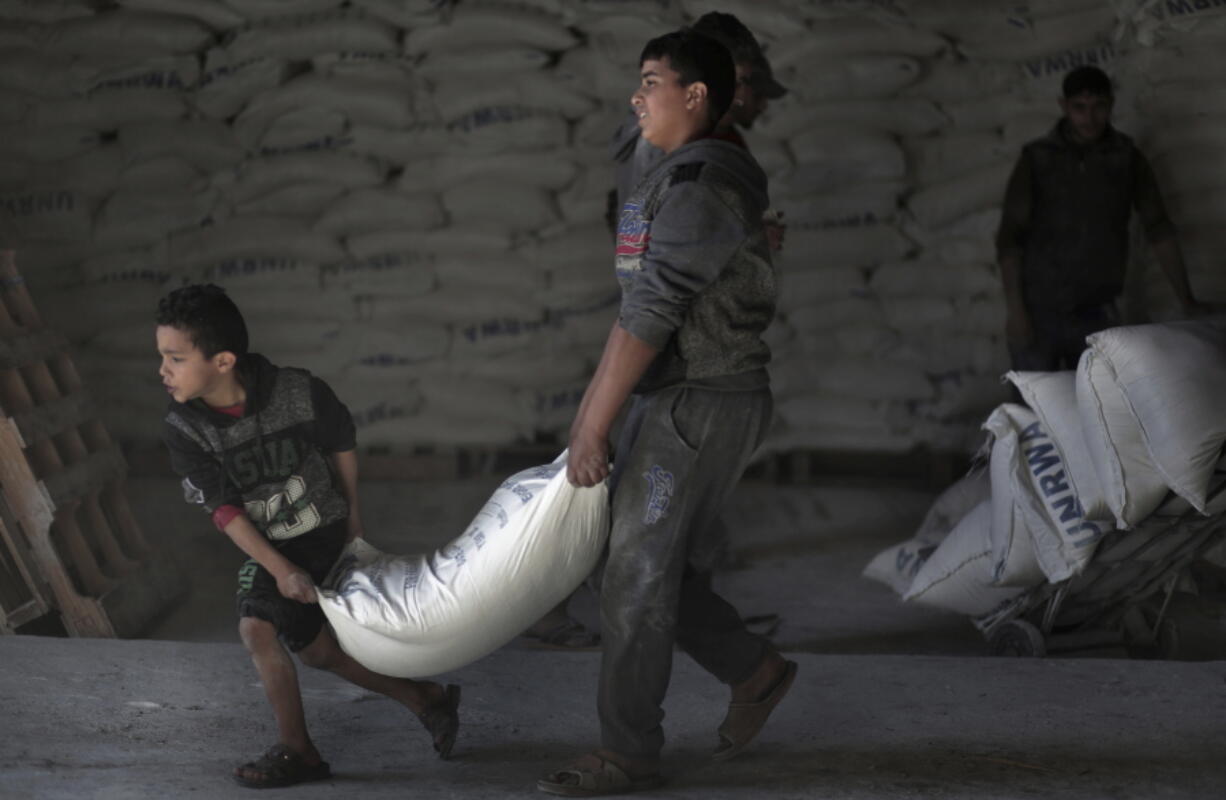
(280, 767)
(569, 635)
(442, 720)
(745, 720)
(593, 776)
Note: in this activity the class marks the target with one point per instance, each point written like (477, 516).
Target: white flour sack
(1052, 396)
(957, 576)
(1171, 379)
(533, 542)
(1038, 525)
(897, 566)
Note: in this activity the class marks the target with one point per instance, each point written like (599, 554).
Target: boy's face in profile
(665, 108)
(186, 372)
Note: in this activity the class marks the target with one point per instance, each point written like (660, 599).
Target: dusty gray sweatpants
(680, 453)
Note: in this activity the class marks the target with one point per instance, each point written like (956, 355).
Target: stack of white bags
(1136, 431)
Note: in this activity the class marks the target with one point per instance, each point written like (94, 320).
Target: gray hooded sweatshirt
(695, 269)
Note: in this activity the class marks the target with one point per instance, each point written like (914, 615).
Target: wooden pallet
(68, 532)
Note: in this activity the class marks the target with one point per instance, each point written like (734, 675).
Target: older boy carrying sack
(698, 290)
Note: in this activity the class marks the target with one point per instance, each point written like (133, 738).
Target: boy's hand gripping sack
(535, 540)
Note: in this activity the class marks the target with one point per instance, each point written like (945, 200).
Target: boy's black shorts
(297, 623)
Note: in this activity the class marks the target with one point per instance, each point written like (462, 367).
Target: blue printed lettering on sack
(1183, 8)
(908, 562)
(1047, 470)
(455, 553)
(154, 79)
(500, 328)
(660, 491)
(1062, 62)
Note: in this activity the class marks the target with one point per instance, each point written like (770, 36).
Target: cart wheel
(1017, 638)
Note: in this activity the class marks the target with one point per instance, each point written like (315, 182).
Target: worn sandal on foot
(279, 767)
(593, 776)
(744, 720)
(442, 720)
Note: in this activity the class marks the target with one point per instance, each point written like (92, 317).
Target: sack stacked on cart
(1151, 403)
(1015, 524)
(1091, 451)
(533, 542)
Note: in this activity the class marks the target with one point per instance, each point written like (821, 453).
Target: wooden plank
(21, 596)
(78, 481)
(20, 349)
(31, 506)
(55, 417)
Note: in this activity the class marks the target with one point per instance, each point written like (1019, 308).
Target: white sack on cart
(897, 566)
(1131, 483)
(1171, 379)
(1052, 396)
(958, 576)
(1013, 558)
(533, 542)
(1039, 528)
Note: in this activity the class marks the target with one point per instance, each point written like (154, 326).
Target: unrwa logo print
(1048, 471)
(659, 492)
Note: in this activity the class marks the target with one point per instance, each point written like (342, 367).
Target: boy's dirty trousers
(680, 453)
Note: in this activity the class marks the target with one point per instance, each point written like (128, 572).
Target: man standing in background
(1062, 244)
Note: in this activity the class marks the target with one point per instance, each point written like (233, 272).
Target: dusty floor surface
(892, 701)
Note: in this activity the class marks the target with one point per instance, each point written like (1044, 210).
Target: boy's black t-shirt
(273, 460)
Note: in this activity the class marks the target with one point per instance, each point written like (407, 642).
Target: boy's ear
(225, 361)
(695, 94)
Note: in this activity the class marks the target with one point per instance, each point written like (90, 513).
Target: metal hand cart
(1139, 592)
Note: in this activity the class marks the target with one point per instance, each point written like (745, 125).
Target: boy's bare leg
(325, 653)
(280, 678)
(434, 704)
(559, 629)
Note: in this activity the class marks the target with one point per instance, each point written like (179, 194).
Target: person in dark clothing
(698, 290)
(1062, 244)
(633, 158)
(269, 453)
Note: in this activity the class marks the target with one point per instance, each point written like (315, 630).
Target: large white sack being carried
(897, 566)
(1052, 396)
(532, 543)
(1038, 525)
(1172, 378)
(957, 576)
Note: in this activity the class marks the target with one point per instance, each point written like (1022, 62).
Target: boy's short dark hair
(208, 316)
(1087, 80)
(697, 57)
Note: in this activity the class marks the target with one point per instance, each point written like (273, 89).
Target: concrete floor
(891, 702)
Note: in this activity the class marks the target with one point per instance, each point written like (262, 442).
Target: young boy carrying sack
(698, 290)
(268, 452)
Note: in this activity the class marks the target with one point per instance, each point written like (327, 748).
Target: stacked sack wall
(408, 196)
